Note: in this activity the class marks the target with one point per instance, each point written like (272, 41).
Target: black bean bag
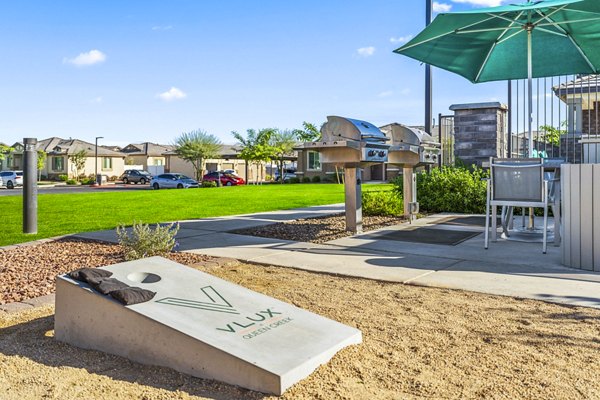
(132, 295)
(85, 274)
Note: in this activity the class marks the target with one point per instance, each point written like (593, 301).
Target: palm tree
(195, 147)
(283, 143)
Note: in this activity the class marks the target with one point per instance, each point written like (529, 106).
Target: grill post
(409, 192)
(353, 192)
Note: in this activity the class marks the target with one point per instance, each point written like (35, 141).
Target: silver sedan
(172, 181)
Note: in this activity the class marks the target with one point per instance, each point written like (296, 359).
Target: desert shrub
(268, 178)
(144, 241)
(316, 179)
(450, 189)
(113, 178)
(71, 182)
(209, 184)
(63, 178)
(306, 179)
(382, 203)
(294, 180)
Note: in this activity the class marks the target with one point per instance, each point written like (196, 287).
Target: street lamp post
(98, 180)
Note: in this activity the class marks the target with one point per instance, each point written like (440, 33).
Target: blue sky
(134, 71)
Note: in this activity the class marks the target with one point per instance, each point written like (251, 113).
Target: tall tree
(196, 147)
(41, 162)
(78, 159)
(308, 133)
(283, 143)
(256, 148)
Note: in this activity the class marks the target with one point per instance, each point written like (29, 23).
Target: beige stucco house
(109, 163)
(146, 154)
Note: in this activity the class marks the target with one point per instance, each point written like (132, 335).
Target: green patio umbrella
(517, 41)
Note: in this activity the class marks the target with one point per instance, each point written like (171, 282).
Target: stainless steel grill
(411, 148)
(350, 142)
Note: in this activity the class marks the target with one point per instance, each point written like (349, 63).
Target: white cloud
(366, 51)
(172, 94)
(400, 39)
(387, 93)
(97, 100)
(481, 3)
(162, 28)
(83, 59)
(441, 7)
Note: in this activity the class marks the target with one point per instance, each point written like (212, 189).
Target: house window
(158, 161)
(314, 160)
(106, 162)
(58, 163)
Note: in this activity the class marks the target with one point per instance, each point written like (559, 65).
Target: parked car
(135, 176)
(173, 180)
(288, 173)
(227, 178)
(10, 179)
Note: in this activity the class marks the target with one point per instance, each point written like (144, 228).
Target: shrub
(294, 180)
(209, 184)
(71, 182)
(382, 203)
(316, 179)
(268, 178)
(306, 179)
(63, 178)
(88, 181)
(113, 178)
(147, 242)
(450, 189)
(327, 180)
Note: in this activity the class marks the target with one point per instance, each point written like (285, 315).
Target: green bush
(316, 179)
(450, 189)
(209, 184)
(63, 178)
(294, 180)
(88, 181)
(147, 242)
(382, 203)
(71, 182)
(306, 179)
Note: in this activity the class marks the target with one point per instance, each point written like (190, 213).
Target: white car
(173, 180)
(10, 179)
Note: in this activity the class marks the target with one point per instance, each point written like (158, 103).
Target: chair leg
(494, 223)
(544, 247)
(487, 217)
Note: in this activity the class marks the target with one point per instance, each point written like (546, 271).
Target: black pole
(441, 155)
(428, 81)
(509, 139)
(30, 186)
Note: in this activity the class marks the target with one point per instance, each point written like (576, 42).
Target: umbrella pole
(530, 92)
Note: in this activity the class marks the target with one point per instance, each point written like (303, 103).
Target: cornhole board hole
(200, 325)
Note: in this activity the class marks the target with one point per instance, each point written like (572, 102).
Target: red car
(227, 179)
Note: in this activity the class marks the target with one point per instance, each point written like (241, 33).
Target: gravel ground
(418, 343)
(29, 271)
(317, 230)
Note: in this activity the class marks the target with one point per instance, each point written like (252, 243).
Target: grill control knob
(381, 153)
(427, 156)
(371, 153)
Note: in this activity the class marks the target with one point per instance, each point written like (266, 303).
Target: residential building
(150, 156)
(108, 163)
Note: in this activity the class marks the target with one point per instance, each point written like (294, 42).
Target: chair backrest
(517, 179)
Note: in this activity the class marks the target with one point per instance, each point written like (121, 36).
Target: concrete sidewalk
(507, 268)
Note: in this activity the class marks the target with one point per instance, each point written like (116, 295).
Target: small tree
(195, 147)
(308, 133)
(256, 147)
(41, 162)
(551, 134)
(78, 160)
(283, 143)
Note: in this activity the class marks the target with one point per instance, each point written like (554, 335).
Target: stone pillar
(480, 132)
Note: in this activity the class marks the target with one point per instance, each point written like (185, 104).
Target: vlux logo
(257, 317)
(215, 302)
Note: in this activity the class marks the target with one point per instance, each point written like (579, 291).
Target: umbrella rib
(560, 28)
(511, 36)
(574, 21)
(406, 47)
(498, 40)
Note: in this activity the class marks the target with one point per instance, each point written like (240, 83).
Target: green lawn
(60, 214)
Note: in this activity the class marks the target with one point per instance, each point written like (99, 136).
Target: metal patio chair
(515, 182)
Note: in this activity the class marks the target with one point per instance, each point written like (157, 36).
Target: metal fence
(445, 133)
(565, 118)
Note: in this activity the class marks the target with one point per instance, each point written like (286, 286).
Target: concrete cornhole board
(200, 325)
